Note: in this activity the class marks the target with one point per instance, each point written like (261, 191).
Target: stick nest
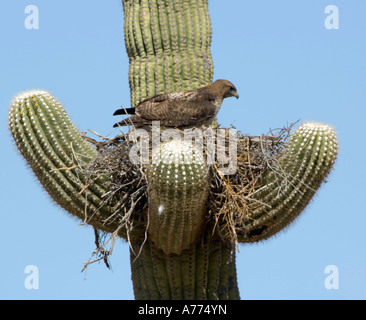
(229, 202)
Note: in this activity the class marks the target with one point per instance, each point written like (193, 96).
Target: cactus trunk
(207, 271)
(168, 44)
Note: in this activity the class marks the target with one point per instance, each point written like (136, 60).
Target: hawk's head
(225, 88)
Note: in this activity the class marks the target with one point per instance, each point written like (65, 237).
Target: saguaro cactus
(185, 254)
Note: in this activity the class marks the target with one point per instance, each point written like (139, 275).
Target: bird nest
(229, 203)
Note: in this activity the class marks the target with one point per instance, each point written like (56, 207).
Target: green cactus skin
(168, 44)
(178, 188)
(206, 271)
(288, 187)
(54, 148)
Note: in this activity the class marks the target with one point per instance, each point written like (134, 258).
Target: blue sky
(286, 65)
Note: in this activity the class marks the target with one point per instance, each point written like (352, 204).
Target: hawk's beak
(236, 94)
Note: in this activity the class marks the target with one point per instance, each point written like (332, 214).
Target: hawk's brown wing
(177, 109)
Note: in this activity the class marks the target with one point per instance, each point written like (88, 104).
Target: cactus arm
(55, 150)
(178, 187)
(289, 185)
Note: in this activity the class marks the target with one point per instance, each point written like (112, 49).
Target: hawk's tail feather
(124, 111)
(119, 124)
(134, 120)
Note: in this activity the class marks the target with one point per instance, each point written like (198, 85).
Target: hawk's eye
(231, 89)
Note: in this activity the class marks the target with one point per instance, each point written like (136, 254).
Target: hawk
(180, 109)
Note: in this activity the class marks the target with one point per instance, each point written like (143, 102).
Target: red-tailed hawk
(180, 109)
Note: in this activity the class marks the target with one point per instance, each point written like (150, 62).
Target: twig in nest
(100, 252)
